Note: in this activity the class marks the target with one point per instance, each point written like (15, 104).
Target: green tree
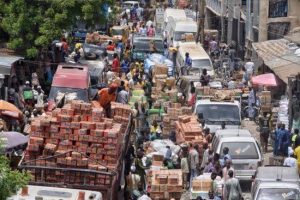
(10, 180)
(33, 24)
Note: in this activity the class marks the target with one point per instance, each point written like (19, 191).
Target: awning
(294, 37)
(5, 63)
(278, 57)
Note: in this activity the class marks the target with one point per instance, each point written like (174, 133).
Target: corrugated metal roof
(294, 37)
(5, 63)
(278, 57)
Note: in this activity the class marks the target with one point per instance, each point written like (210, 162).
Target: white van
(200, 59)
(214, 113)
(177, 29)
(176, 14)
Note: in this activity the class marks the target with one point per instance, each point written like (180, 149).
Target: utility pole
(200, 31)
(223, 11)
(230, 4)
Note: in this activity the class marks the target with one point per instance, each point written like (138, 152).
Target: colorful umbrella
(265, 80)
(13, 140)
(9, 109)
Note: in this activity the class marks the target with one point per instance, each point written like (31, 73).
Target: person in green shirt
(294, 136)
(168, 164)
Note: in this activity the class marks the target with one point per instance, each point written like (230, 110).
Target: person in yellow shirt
(297, 154)
(155, 131)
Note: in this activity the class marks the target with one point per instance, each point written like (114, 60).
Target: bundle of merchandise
(77, 136)
(166, 184)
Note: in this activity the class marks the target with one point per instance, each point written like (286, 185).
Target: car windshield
(143, 45)
(278, 194)
(117, 31)
(202, 63)
(241, 150)
(178, 35)
(216, 114)
(71, 93)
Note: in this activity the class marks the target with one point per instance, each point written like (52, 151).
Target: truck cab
(216, 112)
(71, 81)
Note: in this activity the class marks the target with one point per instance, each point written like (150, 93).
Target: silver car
(244, 151)
(276, 183)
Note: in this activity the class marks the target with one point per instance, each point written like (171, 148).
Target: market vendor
(106, 96)
(155, 131)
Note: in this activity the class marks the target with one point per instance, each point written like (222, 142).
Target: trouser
(264, 137)
(185, 180)
(193, 175)
(107, 110)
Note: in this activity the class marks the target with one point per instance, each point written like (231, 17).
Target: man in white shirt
(249, 66)
(290, 160)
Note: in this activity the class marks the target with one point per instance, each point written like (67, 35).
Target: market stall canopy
(279, 57)
(9, 109)
(265, 80)
(13, 141)
(5, 63)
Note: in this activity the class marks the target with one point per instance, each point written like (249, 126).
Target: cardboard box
(162, 179)
(201, 184)
(173, 179)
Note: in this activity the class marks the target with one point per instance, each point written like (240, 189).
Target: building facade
(270, 19)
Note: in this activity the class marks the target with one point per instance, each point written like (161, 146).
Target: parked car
(244, 151)
(276, 183)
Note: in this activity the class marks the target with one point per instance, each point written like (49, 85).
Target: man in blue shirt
(187, 63)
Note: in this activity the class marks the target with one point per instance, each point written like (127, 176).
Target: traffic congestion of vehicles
(144, 113)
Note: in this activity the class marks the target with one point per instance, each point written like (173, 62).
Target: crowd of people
(124, 75)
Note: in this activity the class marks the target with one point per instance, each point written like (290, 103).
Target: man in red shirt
(116, 64)
(110, 46)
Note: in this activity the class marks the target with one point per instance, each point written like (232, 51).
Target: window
(278, 8)
(278, 30)
(278, 194)
(241, 150)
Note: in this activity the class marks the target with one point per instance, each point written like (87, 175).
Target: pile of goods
(218, 94)
(265, 100)
(188, 130)
(166, 184)
(96, 38)
(201, 186)
(173, 112)
(77, 136)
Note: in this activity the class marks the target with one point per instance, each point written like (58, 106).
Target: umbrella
(265, 80)
(13, 140)
(9, 109)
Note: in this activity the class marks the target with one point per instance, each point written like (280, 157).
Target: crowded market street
(149, 100)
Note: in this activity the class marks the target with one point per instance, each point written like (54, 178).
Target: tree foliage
(34, 24)
(10, 180)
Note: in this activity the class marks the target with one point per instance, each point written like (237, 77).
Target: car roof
(233, 133)
(278, 184)
(130, 2)
(237, 139)
(208, 101)
(71, 76)
(273, 173)
(195, 50)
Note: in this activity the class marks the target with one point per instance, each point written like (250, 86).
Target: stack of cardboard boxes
(174, 110)
(265, 100)
(78, 136)
(188, 130)
(166, 184)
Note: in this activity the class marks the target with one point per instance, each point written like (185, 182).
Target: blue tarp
(158, 59)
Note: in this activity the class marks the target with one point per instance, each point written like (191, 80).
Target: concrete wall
(294, 13)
